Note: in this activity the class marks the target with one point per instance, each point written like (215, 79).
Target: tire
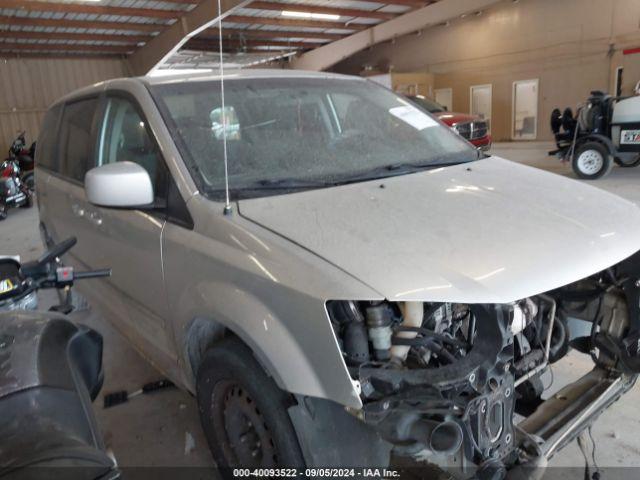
(634, 163)
(591, 161)
(3, 211)
(243, 412)
(29, 181)
(29, 202)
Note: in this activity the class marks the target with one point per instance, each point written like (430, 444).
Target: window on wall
(480, 102)
(124, 136)
(76, 152)
(525, 110)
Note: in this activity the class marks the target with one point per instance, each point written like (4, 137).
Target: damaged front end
(443, 382)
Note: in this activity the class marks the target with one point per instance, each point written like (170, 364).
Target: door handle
(77, 210)
(95, 218)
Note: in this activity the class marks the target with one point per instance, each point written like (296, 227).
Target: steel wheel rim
(240, 428)
(590, 162)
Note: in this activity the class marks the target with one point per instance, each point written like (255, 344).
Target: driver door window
(125, 137)
(135, 233)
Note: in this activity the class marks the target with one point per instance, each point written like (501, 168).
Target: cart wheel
(592, 160)
(634, 163)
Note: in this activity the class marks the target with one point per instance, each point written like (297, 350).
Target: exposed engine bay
(443, 382)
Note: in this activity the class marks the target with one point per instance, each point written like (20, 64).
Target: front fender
(302, 357)
(254, 289)
(596, 137)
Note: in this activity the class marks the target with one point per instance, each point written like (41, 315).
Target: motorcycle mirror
(57, 251)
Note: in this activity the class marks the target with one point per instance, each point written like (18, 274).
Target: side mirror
(120, 184)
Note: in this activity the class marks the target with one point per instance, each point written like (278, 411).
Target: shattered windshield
(300, 133)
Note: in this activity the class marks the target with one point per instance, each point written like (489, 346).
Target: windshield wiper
(284, 184)
(395, 169)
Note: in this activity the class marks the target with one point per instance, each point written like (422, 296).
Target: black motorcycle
(50, 371)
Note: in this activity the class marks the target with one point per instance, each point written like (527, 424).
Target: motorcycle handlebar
(57, 250)
(106, 272)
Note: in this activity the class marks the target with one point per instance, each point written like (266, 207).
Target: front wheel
(29, 181)
(29, 202)
(3, 211)
(243, 412)
(591, 161)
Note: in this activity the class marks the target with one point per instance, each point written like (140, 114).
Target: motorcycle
(13, 192)
(24, 158)
(50, 372)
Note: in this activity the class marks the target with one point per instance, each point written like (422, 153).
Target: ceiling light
(315, 16)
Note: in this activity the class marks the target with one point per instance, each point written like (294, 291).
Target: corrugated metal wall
(29, 85)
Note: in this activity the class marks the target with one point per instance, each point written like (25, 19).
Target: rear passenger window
(124, 136)
(75, 138)
(47, 140)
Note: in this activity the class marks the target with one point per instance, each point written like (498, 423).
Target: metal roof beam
(214, 49)
(290, 22)
(243, 33)
(62, 47)
(301, 7)
(409, 3)
(251, 43)
(128, 39)
(332, 53)
(87, 24)
(37, 6)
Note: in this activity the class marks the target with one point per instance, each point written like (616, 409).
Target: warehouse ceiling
(258, 31)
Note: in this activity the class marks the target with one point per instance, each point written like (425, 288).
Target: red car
(470, 127)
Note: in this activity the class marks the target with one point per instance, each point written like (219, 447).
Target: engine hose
(432, 334)
(413, 316)
(428, 343)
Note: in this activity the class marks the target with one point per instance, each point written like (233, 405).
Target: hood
(451, 118)
(490, 231)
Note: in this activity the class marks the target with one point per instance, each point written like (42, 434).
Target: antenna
(227, 203)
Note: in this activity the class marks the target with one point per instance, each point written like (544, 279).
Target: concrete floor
(163, 429)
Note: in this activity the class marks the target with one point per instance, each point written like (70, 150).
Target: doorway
(618, 85)
(525, 110)
(480, 102)
(444, 96)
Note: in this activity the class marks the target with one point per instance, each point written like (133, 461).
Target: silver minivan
(338, 276)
